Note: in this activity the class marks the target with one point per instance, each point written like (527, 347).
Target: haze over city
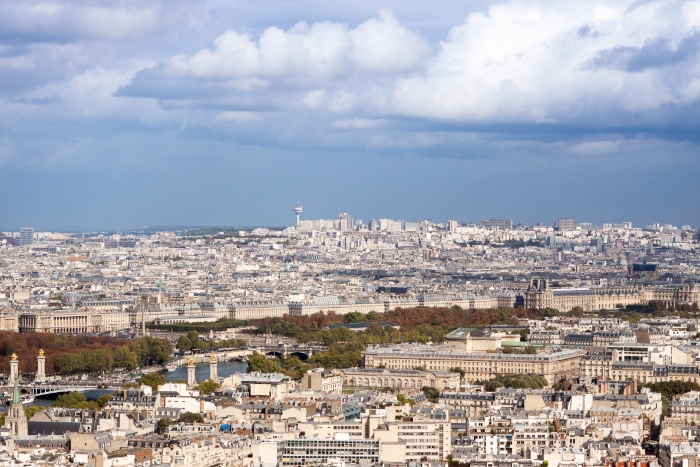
(224, 113)
(312, 233)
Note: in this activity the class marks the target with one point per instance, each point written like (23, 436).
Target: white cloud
(322, 51)
(383, 45)
(18, 63)
(314, 99)
(60, 20)
(546, 62)
(238, 116)
(527, 63)
(342, 101)
(358, 124)
(596, 147)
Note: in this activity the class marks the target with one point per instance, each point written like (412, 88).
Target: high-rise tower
(297, 211)
(26, 235)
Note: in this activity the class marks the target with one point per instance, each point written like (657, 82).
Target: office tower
(373, 225)
(565, 223)
(26, 236)
(452, 226)
(395, 226)
(345, 221)
(500, 224)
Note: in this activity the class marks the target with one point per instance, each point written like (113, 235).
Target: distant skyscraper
(373, 225)
(26, 236)
(345, 221)
(297, 211)
(565, 223)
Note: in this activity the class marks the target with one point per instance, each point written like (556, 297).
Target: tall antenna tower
(297, 211)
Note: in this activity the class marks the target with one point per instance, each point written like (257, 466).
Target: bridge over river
(59, 387)
(303, 352)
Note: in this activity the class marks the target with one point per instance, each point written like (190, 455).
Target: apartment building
(422, 438)
(473, 403)
(319, 379)
(531, 433)
(686, 407)
(302, 452)
(424, 435)
(645, 363)
(190, 451)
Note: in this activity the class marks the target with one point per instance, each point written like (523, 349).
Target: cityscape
(347, 342)
(349, 234)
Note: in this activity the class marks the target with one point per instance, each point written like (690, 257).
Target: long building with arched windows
(540, 294)
(394, 378)
(476, 365)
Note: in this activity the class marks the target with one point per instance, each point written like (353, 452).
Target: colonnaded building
(539, 294)
(72, 321)
(396, 378)
(553, 365)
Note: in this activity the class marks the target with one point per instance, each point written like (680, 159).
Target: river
(201, 372)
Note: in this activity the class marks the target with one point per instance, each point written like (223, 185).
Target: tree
(673, 388)
(374, 316)
(458, 370)
(162, 425)
(153, 380)
(208, 386)
(184, 344)
(258, 362)
(72, 400)
(103, 399)
(523, 334)
(150, 350)
(354, 317)
(294, 368)
(549, 312)
(403, 400)
(190, 417)
(32, 410)
(77, 400)
(523, 381)
(431, 393)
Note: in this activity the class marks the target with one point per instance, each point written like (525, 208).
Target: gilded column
(40, 367)
(14, 369)
(191, 380)
(213, 374)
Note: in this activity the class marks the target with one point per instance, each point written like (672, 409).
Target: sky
(124, 114)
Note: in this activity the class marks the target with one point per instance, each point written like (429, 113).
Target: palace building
(476, 365)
